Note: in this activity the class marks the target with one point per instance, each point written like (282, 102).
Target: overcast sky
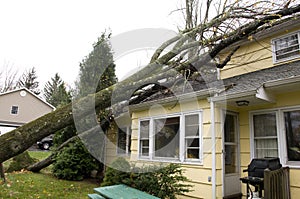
(55, 35)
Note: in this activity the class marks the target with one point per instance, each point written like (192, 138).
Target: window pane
(265, 125)
(166, 140)
(229, 128)
(144, 137)
(14, 110)
(292, 129)
(144, 131)
(287, 47)
(266, 148)
(192, 125)
(193, 154)
(265, 135)
(192, 148)
(230, 159)
(192, 142)
(122, 141)
(144, 147)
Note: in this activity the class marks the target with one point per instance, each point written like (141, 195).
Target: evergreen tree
(29, 81)
(55, 92)
(97, 70)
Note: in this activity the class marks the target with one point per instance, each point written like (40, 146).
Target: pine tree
(29, 81)
(55, 92)
(97, 70)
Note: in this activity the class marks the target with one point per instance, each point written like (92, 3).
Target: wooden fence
(277, 184)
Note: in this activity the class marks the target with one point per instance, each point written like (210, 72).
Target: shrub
(117, 173)
(73, 162)
(165, 181)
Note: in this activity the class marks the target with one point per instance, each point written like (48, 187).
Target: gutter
(232, 96)
(274, 83)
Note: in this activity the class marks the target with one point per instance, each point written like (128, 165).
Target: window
(286, 47)
(292, 129)
(192, 138)
(166, 137)
(171, 138)
(144, 138)
(277, 134)
(265, 135)
(14, 110)
(124, 141)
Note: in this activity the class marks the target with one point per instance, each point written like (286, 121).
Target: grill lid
(258, 165)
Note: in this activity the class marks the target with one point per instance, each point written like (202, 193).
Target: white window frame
(252, 137)
(11, 110)
(275, 60)
(128, 140)
(281, 134)
(182, 147)
(286, 162)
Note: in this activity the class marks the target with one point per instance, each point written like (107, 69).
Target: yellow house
(252, 110)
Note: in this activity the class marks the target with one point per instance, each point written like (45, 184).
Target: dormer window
(14, 110)
(286, 47)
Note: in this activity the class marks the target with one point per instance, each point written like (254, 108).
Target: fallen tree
(205, 40)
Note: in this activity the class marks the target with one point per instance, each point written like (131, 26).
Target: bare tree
(8, 78)
(235, 22)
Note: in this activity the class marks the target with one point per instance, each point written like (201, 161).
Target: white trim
(281, 37)
(252, 142)
(281, 133)
(237, 141)
(182, 148)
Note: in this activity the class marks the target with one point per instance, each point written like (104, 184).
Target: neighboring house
(252, 110)
(20, 106)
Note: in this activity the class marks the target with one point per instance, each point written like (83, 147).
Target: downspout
(213, 149)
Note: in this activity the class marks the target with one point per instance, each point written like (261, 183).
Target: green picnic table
(119, 192)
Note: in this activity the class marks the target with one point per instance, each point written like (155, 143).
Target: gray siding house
(20, 106)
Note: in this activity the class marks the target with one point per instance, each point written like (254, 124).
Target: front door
(231, 155)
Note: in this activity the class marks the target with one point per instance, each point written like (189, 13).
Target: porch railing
(277, 183)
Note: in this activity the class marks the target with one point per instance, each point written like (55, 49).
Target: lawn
(23, 185)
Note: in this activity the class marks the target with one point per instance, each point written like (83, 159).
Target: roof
(254, 80)
(27, 90)
(238, 85)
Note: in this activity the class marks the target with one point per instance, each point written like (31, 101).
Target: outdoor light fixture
(242, 103)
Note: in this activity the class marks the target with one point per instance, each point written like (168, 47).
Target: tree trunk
(2, 175)
(49, 160)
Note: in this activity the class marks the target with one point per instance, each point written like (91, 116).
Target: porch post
(213, 149)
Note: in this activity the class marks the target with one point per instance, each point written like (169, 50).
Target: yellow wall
(253, 56)
(198, 174)
(282, 101)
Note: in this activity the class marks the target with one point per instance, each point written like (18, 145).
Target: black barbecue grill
(256, 173)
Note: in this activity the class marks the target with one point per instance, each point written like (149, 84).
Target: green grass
(27, 185)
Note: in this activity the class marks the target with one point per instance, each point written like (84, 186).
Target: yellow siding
(253, 56)
(282, 101)
(198, 174)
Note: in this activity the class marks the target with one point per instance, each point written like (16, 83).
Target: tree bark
(49, 160)
(2, 174)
